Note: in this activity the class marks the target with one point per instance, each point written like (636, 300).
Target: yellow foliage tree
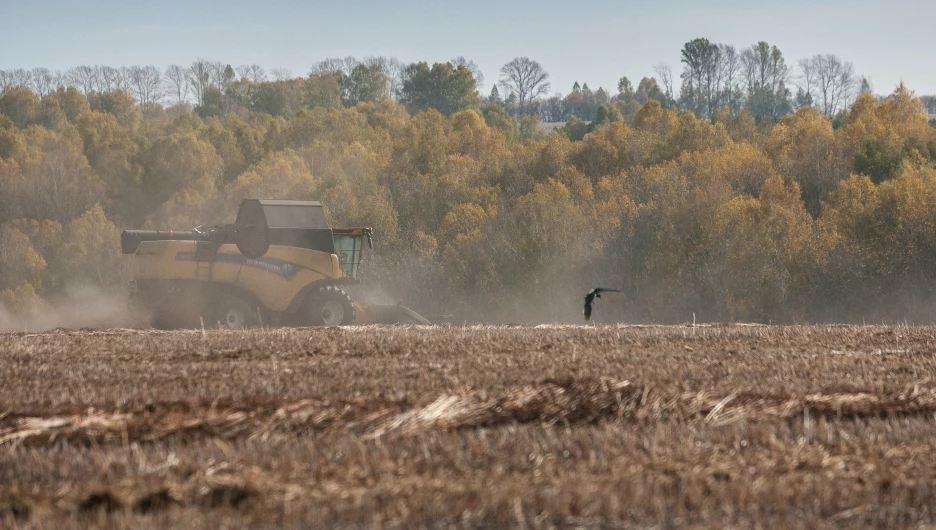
(804, 150)
(770, 254)
(90, 256)
(280, 175)
(19, 261)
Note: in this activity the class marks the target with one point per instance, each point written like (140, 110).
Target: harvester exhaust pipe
(131, 239)
(252, 241)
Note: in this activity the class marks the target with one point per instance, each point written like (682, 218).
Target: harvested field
(479, 426)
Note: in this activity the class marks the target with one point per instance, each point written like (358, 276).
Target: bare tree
(666, 78)
(98, 78)
(6, 80)
(471, 66)
(82, 78)
(929, 103)
(199, 78)
(393, 68)
(832, 82)
(177, 82)
(526, 78)
(147, 84)
(59, 79)
(281, 74)
(122, 81)
(110, 77)
(396, 70)
(22, 77)
(137, 83)
(766, 75)
(221, 74)
(731, 65)
(42, 81)
(350, 63)
(252, 72)
(334, 65)
(764, 67)
(807, 78)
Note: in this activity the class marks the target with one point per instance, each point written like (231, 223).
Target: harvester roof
(282, 214)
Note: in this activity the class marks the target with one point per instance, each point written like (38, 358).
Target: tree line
(757, 78)
(481, 214)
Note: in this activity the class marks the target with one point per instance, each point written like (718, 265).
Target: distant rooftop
(547, 127)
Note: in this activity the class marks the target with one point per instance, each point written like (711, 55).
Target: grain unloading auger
(278, 264)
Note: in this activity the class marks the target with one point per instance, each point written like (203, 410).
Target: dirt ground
(470, 427)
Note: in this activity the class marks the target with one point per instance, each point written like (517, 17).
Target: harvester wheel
(330, 306)
(234, 313)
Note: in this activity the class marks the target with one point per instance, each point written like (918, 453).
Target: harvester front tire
(330, 306)
(234, 313)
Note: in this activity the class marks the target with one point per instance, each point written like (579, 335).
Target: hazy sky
(586, 41)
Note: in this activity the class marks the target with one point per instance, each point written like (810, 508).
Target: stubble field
(470, 427)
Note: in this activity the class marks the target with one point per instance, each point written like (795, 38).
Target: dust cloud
(78, 307)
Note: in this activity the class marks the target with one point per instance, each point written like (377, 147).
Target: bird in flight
(590, 298)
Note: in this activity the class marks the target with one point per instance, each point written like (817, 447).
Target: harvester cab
(279, 263)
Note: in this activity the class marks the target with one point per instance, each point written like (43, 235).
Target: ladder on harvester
(205, 253)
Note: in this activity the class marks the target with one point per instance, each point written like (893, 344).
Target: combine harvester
(279, 264)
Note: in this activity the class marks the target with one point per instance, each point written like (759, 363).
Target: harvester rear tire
(329, 306)
(235, 313)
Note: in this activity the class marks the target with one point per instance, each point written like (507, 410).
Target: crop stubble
(612, 426)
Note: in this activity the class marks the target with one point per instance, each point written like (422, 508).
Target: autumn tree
(51, 179)
(575, 128)
(22, 265)
(286, 98)
(322, 90)
(19, 104)
(177, 161)
(88, 254)
(118, 103)
(804, 150)
(770, 255)
(882, 135)
(280, 174)
(729, 215)
(883, 239)
(497, 118)
(114, 158)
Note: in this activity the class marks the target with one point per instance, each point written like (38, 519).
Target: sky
(586, 41)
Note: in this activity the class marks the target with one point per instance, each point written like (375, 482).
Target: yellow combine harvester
(278, 264)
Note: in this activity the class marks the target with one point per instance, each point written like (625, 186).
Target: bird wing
(590, 297)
